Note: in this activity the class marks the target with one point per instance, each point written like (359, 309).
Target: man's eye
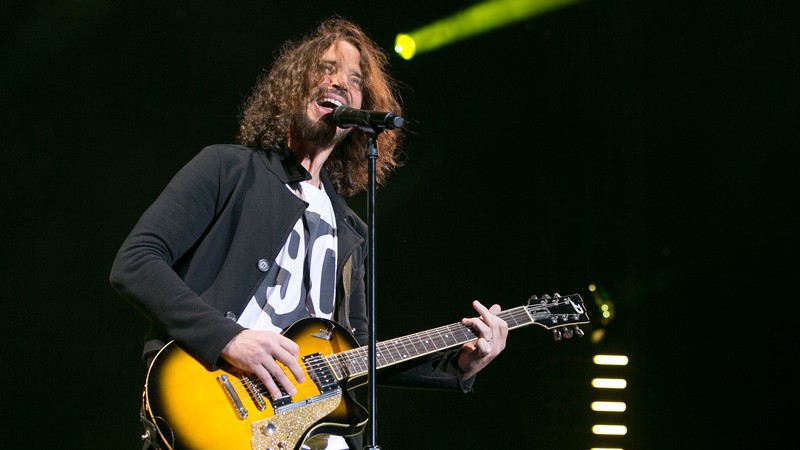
(355, 81)
(328, 69)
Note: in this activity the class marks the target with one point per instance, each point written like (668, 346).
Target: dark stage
(649, 148)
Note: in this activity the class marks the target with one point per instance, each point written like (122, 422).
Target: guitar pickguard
(284, 431)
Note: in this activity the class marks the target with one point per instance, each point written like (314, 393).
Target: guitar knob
(568, 333)
(578, 331)
(557, 334)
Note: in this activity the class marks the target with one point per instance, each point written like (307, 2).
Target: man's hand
(259, 352)
(492, 332)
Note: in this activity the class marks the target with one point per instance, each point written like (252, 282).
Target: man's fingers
(484, 346)
(269, 383)
(282, 379)
(290, 346)
(290, 361)
(479, 307)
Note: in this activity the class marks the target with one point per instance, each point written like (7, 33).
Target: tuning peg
(557, 334)
(578, 331)
(567, 332)
(556, 295)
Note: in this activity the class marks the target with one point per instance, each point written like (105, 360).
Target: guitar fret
(467, 333)
(336, 366)
(447, 337)
(359, 359)
(418, 342)
(404, 353)
(380, 355)
(425, 341)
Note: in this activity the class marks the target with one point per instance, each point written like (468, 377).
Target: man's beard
(322, 133)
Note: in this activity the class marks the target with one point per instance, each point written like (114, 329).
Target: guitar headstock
(560, 314)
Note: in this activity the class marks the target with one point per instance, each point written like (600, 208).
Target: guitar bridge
(233, 397)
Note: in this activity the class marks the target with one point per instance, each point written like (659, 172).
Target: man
(247, 239)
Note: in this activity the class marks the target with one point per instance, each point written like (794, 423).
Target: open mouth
(328, 104)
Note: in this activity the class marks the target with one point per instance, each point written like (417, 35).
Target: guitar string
(391, 347)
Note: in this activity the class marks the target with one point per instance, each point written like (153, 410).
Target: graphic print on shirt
(302, 280)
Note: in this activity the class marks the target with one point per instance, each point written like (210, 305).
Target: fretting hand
(492, 332)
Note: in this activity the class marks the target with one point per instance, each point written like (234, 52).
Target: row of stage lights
(606, 409)
(610, 385)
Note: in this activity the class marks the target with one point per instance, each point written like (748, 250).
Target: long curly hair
(266, 114)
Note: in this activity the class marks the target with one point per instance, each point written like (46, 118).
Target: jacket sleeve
(436, 371)
(143, 270)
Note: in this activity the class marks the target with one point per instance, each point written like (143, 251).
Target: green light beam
(470, 22)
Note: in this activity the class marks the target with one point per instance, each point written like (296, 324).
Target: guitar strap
(347, 275)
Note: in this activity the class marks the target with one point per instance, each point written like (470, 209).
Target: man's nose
(338, 79)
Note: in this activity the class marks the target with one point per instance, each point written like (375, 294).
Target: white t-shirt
(301, 282)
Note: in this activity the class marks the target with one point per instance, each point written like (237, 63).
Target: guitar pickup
(281, 401)
(255, 394)
(320, 372)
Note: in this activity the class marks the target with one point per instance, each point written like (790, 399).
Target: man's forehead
(341, 51)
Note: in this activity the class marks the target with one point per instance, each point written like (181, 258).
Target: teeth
(330, 100)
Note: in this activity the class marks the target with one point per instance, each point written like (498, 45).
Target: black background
(647, 147)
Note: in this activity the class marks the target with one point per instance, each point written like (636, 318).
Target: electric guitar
(186, 406)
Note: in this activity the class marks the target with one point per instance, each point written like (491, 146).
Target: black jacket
(199, 252)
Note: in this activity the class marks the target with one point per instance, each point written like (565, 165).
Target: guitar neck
(355, 362)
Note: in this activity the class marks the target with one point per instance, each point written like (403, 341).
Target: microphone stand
(372, 123)
(372, 156)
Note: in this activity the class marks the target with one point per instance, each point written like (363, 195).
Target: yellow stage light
(477, 19)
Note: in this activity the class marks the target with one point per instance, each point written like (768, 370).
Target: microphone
(369, 121)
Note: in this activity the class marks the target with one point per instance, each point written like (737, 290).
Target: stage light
(609, 406)
(609, 383)
(472, 21)
(611, 360)
(616, 430)
(405, 46)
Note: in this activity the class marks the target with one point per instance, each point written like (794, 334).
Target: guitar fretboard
(355, 362)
